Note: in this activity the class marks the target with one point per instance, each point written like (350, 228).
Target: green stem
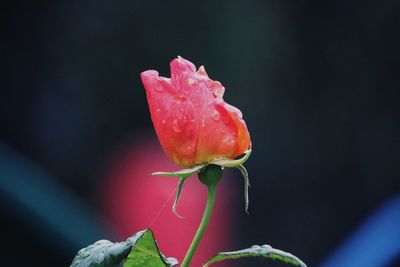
(203, 225)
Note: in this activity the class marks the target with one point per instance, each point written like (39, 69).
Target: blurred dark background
(317, 82)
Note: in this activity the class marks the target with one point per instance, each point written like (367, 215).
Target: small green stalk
(210, 176)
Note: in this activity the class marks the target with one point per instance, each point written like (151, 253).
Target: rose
(197, 129)
(193, 122)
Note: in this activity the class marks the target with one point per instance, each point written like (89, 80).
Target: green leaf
(145, 253)
(232, 163)
(184, 174)
(104, 253)
(265, 251)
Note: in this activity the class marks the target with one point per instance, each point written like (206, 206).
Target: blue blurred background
(317, 82)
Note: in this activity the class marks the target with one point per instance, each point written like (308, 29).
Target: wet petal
(243, 136)
(217, 135)
(174, 118)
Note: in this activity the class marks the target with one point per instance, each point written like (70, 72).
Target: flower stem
(202, 226)
(210, 177)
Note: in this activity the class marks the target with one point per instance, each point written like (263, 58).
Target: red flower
(192, 120)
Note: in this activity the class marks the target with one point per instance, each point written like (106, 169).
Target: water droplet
(180, 97)
(176, 127)
(228, 140)
(189, 147)
(158, 110)
(219, 91)
(266, 246)
(226, 120)
(215, 115)
(163, 121)
(159, 87)
(203, 123)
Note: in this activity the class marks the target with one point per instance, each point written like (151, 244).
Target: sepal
(224, 163)
(183, 174)
(232, 163)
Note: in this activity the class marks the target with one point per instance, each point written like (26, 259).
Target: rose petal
(174, 118)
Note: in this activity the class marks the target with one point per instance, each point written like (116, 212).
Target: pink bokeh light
(133, 200)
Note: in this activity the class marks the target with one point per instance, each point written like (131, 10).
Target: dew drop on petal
(226, 120)
(158, 110)
(228, 140)
(163, 121)
(180, 97)
(176, 127)
(158, 87)
(215, 115)
(203, 123)
(219, 91)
